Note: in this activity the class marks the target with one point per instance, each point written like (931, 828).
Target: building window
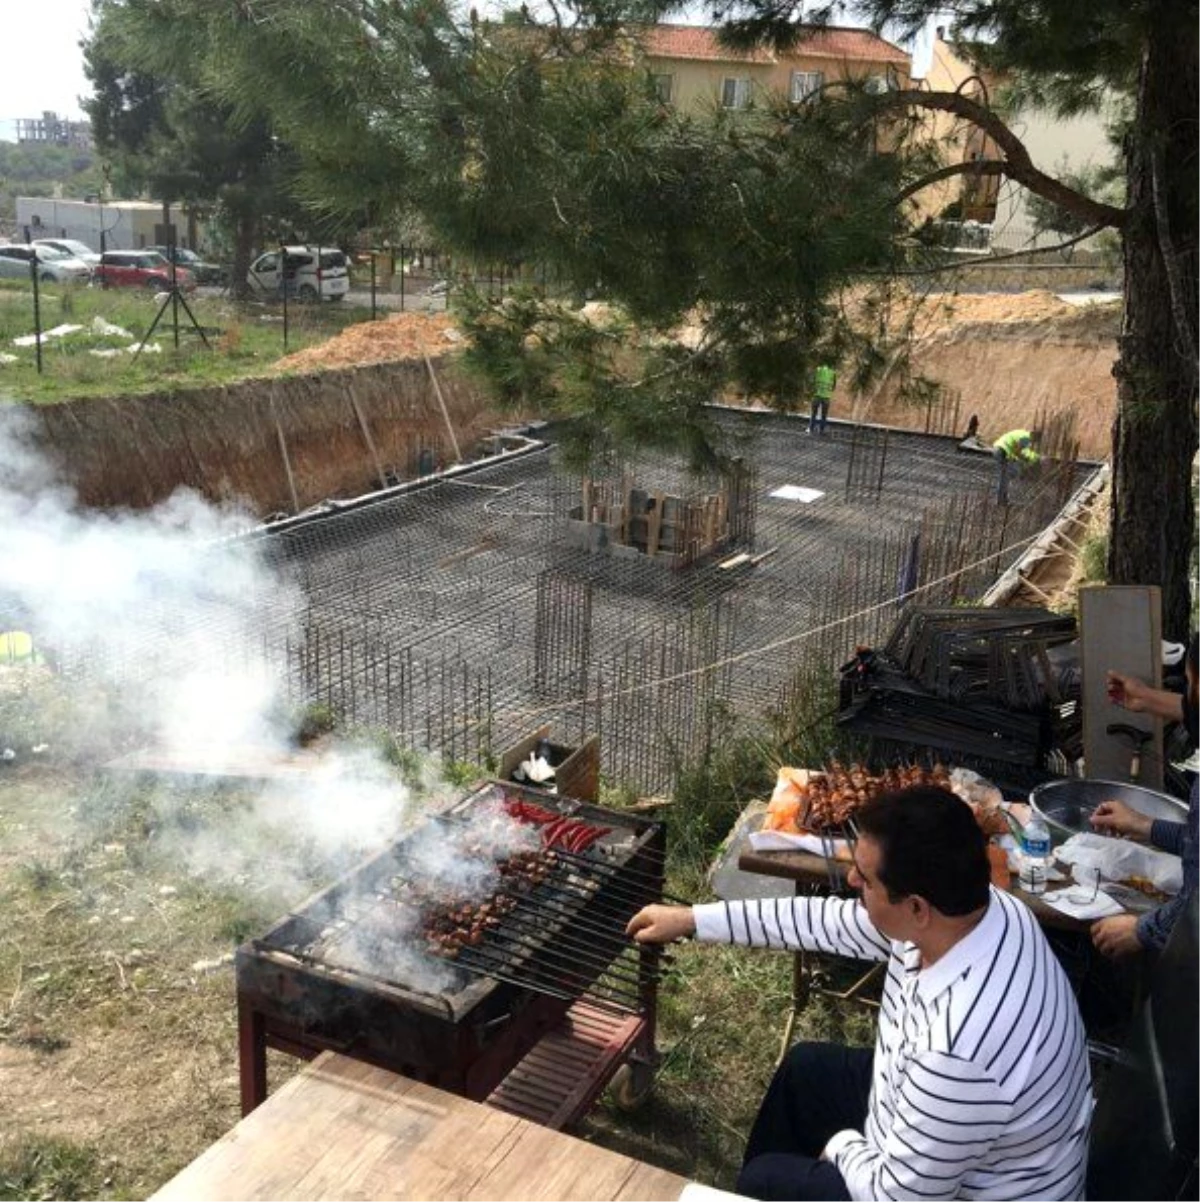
(664, 87)
(805, 84)
(735, 94)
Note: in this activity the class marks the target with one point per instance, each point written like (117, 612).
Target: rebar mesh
(457, 616)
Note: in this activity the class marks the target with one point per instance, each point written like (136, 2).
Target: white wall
(1080, 142)
(77, 219)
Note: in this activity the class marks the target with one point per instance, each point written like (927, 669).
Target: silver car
(72, 246)
(53, 266)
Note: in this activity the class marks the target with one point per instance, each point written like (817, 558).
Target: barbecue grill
(534, 1015)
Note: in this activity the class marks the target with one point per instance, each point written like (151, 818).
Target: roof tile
(700, 42)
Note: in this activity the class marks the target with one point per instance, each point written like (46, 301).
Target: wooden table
(344, 1129)
(810, 871)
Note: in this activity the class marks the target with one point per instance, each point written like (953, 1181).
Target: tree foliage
(38, 170)
(165, 130)
(731, 249)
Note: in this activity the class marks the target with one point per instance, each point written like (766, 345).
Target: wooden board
(344, 1129)
(1120, 630)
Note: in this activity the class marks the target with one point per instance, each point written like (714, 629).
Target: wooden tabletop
(810, 869)
(343, 1129)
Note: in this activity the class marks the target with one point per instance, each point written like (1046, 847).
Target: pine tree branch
(1166, 248)
(1017, 162)
(979, 167)
(988, 260)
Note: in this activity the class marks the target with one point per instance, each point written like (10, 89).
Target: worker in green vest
(1012, 452)
(824, 381)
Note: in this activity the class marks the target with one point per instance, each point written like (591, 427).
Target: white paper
(58, 332)
(794, 492)
(1073, 903)
(1119, 859)
(786, 841)
(695, 1192)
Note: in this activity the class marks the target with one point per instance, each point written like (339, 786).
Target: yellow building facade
(693, 71)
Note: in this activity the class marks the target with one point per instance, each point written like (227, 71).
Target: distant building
(1055, 144)
(965, 197)
(52, 130)
(107, 225)
(692, 69)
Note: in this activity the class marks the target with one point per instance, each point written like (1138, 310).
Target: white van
(309, 271)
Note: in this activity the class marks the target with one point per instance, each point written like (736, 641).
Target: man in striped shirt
(978, 1086)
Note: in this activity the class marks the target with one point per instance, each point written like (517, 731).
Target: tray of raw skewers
(814, 809)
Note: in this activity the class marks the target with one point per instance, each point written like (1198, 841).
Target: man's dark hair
(930, 846)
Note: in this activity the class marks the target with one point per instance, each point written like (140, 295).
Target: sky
(51, 78)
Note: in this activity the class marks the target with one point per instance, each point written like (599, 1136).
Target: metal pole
(283, 285)
(37, 309)
(174, 285)
(372, 284)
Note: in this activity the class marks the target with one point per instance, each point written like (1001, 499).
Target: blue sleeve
(1154, 928)
(1167, 835)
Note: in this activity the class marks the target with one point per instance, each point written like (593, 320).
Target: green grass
(245, 341)
(117, 945)
(39, 1167)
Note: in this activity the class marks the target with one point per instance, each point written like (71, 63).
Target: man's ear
(919, 909)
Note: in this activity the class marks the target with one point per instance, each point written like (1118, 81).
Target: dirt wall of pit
(337, 431)
(1010, 373)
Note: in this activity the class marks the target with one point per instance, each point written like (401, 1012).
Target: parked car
(53, 266)
(308, 272)
(139, 269)
(200, 270)
(72, 246)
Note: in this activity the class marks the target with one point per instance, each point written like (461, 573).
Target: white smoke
(158, 606)
(153, 622)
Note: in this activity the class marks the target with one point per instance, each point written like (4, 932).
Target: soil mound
(398, 336)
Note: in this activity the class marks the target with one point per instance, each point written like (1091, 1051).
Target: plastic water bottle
(1035, 856)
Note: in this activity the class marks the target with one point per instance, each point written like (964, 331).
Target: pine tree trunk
(1155, 432)
(245, 233)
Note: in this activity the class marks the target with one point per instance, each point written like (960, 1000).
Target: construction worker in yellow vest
(824, 381)
(1012, 452)
(16, 647)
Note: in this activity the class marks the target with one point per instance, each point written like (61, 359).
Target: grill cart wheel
(632, 1084)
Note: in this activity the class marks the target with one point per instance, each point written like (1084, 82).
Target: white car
(53, 266)
(72, 246)
(310, 273)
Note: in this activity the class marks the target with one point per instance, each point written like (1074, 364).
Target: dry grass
(117, 1008)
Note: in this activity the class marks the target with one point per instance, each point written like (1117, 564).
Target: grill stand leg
(252, 1056)
(643, 1058)
(800, 994)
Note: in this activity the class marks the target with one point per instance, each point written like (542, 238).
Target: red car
(139, 269)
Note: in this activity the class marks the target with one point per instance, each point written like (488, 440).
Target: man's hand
(661, 924)
(1117, 936)
(1127, 691)
(1116, 818)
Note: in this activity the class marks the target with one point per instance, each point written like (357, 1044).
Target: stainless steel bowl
(1066, 805)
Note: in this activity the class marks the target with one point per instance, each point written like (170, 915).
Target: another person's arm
(835, 925)
(1139, 698)
(1155, 928)
(1116, 818)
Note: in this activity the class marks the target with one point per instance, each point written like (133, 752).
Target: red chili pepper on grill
(554, 832)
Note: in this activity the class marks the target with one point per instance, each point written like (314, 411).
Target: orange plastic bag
(787, 802)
